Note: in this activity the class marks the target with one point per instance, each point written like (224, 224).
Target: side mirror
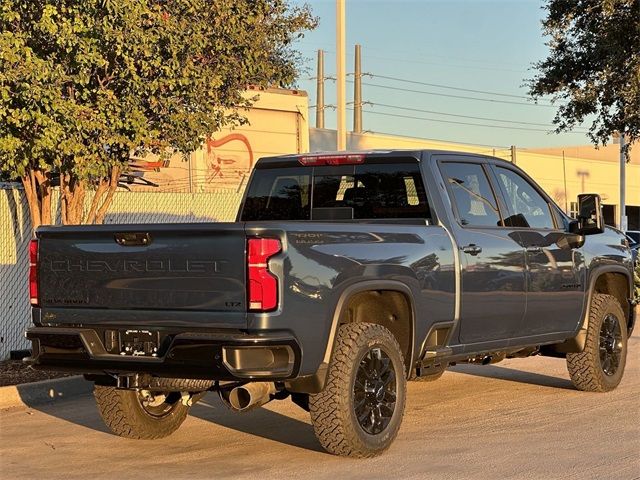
(590, 221)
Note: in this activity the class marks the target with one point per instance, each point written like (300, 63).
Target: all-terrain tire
(586, 368)
(123, 412)
(333, 411)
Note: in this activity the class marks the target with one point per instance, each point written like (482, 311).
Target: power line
(419, 54)
(448, 87)
(424, 92)
(436, 85)
(421, 59)
(461, 123)
(461, 116)
(440, 140)
(415, 82)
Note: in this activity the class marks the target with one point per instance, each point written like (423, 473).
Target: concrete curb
(45, 391)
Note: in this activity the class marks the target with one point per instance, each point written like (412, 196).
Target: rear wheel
(359, 412)
(140, 414)
(599, 368)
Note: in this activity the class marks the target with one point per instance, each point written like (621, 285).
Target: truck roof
(378, 153)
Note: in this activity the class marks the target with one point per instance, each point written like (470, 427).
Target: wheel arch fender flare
(594, 275)
(576, 344)
(365, 286)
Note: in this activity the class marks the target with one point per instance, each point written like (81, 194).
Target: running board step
(435, 353)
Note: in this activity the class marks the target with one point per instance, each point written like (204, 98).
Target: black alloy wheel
(610, 344)
(374, 391)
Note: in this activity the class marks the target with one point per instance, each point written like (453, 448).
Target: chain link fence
(127, 207)
(15, 233)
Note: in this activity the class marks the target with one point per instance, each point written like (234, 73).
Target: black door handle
(472, 249)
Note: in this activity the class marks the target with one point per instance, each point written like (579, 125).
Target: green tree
(593, 67)
(84, 84)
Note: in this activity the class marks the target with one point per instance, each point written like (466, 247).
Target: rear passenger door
(493, 280)
(554, 288)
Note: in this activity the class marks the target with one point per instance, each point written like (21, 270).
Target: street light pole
(340, 74)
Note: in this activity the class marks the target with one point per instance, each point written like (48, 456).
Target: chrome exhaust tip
(248, 396)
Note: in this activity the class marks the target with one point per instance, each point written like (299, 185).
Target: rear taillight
(33, 272)
(263, 285)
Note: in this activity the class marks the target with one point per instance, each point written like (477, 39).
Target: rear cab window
(278, 194)
(390, 190)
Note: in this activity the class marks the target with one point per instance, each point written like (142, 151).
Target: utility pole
(513, 154)
(357, 93)
(623, 166)
(564, 175)
(320, 91)
(340, 74)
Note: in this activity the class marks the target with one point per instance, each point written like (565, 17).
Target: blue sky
(465, 44)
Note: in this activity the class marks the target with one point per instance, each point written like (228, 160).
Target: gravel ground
(14, 372)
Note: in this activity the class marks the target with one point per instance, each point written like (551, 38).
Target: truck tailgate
(182, 267)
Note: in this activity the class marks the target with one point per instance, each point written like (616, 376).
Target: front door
(555, 289)
(493, 265)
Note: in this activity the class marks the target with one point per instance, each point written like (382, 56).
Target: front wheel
(138, 414)
(599, 368)
(359, 412)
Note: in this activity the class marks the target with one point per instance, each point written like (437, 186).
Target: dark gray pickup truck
(345, 275)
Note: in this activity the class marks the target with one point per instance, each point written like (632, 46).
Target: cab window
(526, 206)
(470, 192)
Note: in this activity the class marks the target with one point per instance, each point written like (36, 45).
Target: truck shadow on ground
(260, 422)
(514, 375)
(74, 411)
(271, 425)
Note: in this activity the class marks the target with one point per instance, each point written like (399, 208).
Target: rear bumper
(214, 356)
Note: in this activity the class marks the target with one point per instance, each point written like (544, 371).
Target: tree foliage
(84, 84)
(593, 67)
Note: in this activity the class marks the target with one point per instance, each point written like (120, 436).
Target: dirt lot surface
(14, 372)
(520, 419)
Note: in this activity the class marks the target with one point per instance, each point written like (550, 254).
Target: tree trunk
(44, 193)
(113, 185)
(72, 204)
(73, 196)
(37, 188)
(97, 196)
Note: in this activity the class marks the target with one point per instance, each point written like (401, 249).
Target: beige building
(608, 153)
(277, 123)
(589, 169)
